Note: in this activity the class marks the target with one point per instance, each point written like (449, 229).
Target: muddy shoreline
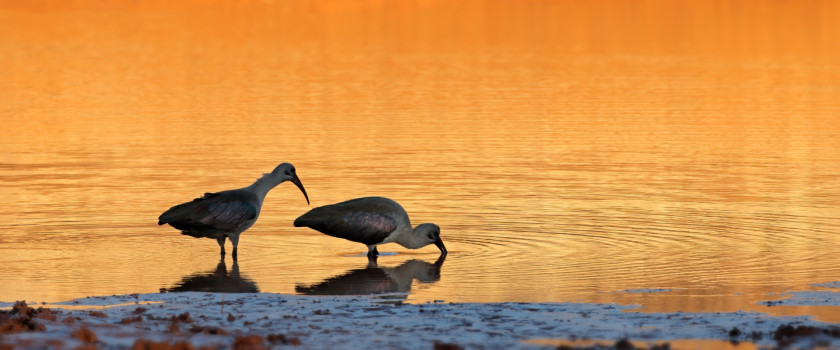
(197, 320)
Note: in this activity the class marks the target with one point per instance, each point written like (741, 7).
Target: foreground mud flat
(196, 320)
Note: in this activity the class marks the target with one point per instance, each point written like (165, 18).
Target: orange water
(568, 149)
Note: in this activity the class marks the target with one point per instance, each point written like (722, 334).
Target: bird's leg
(222, 245)
(372, 252)
(372, 262)
(235, 241)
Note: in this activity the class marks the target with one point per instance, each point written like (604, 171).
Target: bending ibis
(371, 221)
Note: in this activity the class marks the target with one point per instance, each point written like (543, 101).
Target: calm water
(567, 149)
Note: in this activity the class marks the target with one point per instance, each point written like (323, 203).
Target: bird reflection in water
(218, 280)
(377, 280)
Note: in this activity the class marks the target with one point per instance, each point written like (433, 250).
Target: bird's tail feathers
(179, 212)
(312, 217)
(192, 234)
(300, 222)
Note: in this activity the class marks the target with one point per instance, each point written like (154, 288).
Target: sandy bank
(254, 321)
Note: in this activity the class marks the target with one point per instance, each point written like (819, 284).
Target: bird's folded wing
(229, 215)
(366, 227)
(358, 226)
(214, 211)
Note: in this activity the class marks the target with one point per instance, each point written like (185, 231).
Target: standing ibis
(226, 214)
(371, 221)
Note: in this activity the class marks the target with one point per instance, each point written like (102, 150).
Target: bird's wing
(223, 211)
(365, 227)
(229, 214)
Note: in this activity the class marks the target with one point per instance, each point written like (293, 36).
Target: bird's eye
(288, 173)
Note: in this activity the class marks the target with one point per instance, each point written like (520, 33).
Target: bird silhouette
(216, 281)
(371, 221)
(377, 280)
(227, 214)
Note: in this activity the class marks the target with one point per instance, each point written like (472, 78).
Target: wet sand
(197, 320)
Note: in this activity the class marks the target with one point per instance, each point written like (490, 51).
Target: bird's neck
(409, 239)
(263, 185)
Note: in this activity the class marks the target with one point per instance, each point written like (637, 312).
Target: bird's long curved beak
(296, 181)
(439, 244)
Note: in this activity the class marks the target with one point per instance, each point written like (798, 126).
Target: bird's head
(429, 234)
(286, 172)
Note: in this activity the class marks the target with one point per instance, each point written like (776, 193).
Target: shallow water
(568, 150)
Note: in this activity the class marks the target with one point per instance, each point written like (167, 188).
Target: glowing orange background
(567, 148)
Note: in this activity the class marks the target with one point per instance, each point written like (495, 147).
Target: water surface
(568, 150)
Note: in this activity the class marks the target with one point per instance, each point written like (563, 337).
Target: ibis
(225, 215)
(371, 221)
